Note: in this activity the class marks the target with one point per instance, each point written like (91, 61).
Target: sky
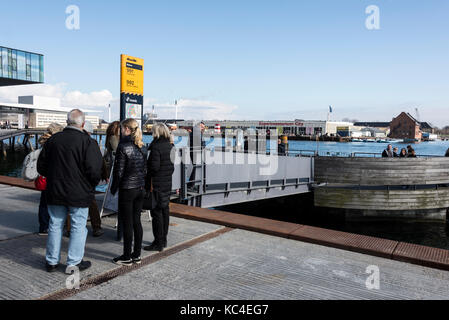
(260, 60)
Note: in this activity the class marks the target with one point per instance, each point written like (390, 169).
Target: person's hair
(447, 153)
(160, 130)
(136, 132)
(404, 150)
(51, 130)
(112, 130)
(76, 118)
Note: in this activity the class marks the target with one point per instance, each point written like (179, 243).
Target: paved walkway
(233, 264)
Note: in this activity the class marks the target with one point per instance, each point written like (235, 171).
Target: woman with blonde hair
(159, 180)
(44, 217)
(129, 180)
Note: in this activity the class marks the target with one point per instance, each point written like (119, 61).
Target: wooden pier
(384, 187)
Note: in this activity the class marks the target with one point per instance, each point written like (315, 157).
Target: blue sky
(243, 59)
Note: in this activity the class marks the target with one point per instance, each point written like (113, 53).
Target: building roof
(372, 124)
(44, 108)
(426, 125)
(411, 117)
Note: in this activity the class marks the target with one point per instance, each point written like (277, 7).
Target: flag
(330, 109)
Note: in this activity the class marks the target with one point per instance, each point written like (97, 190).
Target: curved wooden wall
(347, 181)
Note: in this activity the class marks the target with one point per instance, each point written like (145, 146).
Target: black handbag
(149, 201)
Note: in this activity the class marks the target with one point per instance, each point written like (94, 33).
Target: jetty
(215, 255)
(384, 187)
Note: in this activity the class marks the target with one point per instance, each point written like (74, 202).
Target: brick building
(405, 126)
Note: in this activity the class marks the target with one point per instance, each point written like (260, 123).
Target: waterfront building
(19, 67)
(39, 112)
(406, 127)
(281, 127)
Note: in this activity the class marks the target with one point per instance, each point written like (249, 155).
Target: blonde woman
(44, 217)
(129, 180)
(159, 179)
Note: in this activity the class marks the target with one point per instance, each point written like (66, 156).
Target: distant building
(39, 112)
(406, 127)
(287, 127)
(427, 127)
(19, 67)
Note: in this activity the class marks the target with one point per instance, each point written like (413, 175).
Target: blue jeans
(78, 234)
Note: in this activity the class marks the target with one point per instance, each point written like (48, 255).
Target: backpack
(29, 170)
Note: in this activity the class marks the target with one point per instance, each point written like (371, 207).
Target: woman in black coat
(129, 179)
(159, 180)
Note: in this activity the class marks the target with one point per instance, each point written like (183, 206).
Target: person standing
(112, 141)
(159, 180)
(395, 152)
(403, 153)
(44, 217)
(281, 148)
(94, 212)
(129, 180)
(388, 153)
(71, 161)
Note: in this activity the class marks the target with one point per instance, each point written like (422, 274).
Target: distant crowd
(391, 152)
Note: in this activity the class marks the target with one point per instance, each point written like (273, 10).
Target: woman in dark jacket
(129, 179)
(159, 181)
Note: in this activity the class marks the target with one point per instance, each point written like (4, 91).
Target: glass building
(20, 67)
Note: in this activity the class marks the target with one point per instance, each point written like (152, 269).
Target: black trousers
(161, 217)
(130, 203)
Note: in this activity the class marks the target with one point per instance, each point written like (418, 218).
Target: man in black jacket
(71, 161)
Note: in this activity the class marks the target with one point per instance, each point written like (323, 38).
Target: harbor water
(425, 233)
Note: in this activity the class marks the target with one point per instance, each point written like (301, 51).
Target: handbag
(149, 200)
(40, 183)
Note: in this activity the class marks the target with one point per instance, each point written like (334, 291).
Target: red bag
(40, 183)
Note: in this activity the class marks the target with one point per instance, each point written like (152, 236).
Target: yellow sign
(131, 75)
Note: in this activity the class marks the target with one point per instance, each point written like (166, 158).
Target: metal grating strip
(109, 275)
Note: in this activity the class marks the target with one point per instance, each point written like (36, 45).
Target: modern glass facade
(21, 65)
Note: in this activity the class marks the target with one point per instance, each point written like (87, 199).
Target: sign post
(131, 88)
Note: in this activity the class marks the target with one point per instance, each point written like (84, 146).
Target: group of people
(391, 152)
(73, 166)
(5, 124)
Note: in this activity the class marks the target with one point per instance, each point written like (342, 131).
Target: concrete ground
(233, 265)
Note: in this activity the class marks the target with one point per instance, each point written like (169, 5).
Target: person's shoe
(83, 265)
(43, 233)
(164, 244)
(122, 261)
(154, 247)
(98, 232)
(51, 268)
(137, 260)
